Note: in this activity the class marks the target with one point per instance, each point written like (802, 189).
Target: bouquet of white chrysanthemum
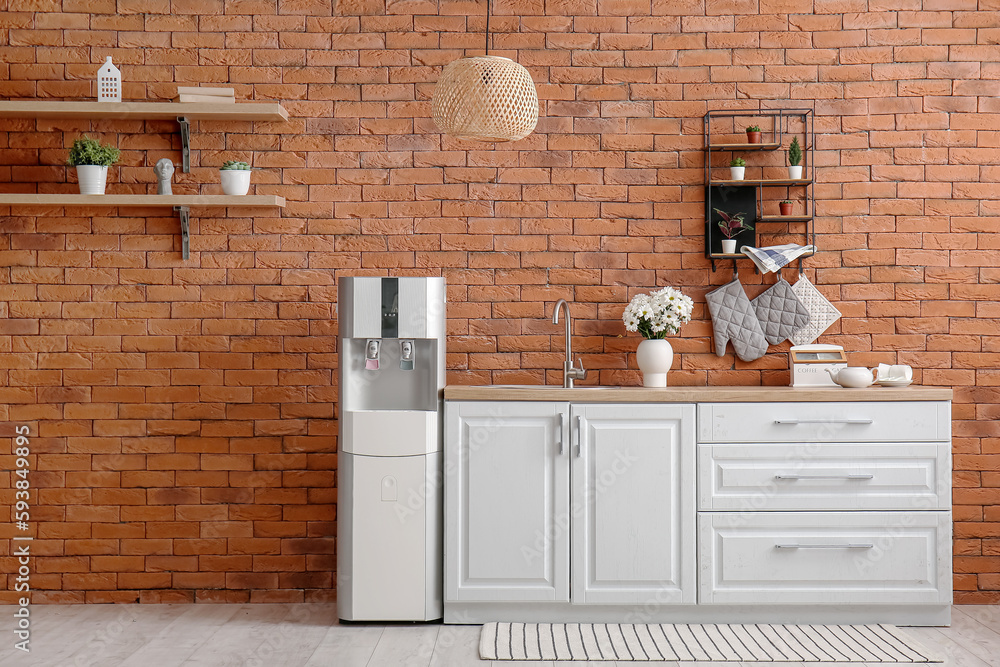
(657, 314)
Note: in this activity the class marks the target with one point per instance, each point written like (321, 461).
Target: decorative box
(808, 364)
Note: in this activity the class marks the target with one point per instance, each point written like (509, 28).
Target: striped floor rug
(700, 643)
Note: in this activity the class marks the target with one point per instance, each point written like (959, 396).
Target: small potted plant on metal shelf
(235, 177)
(737, 168)
(794, 158)
(731, 226)
(753, 134)
(92, 159)
(785, 207)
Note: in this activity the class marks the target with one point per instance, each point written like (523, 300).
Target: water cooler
(389, 511)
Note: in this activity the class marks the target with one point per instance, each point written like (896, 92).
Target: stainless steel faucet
(569, 372)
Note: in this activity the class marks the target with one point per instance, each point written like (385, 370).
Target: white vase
(655, 358)
(795, 172)
(729, 246)
(93, 179)
(736, 173)
(235, 181)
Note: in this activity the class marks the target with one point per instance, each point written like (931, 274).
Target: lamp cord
(487, 27)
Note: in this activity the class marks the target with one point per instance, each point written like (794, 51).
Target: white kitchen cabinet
(510, 513)
(826, 504)
(633, 497)
(507, 501)
(698, 505)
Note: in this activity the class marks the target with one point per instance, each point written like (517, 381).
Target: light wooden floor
(300, 635)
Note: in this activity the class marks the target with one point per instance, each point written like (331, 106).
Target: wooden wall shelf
(183, 113)
(180, 203)
(142, 110)
(10, 199)
(766, 181)
(770, 146)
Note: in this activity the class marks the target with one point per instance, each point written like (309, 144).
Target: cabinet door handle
(579, 436)
(823, 421)
(824, 546)
(560, 434)
(847, 476)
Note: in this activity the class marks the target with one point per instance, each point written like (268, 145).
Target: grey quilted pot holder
(733, 318)
(780, 312)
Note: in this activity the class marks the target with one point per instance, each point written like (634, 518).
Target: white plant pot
(654, 358)
(795, 172)
(729, 246)
(93, 179)
(736, 173)
(235, 182)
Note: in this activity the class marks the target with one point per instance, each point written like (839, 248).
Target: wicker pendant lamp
(485, 98)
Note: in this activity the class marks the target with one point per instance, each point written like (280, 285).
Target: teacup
(895, 373)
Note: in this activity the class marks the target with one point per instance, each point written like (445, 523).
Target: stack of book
(217, 95)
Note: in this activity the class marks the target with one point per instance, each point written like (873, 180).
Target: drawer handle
(824, 546)
(848, 476)
(823, 421)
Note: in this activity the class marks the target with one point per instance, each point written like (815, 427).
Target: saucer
(894, 383)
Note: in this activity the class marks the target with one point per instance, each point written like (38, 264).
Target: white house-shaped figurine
(109, 83)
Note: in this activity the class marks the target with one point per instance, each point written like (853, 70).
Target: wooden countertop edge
(696, 394)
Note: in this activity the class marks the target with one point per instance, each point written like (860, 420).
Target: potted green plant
(731, 225)
(753, 134)
(794, 158)
(92, 159)
(235, 177)
(785, 207)
(737, 168)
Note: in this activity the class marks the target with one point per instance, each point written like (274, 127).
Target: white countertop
(692, 394)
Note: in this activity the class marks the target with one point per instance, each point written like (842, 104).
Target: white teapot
(852, 376)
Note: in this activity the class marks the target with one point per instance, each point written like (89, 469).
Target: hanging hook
(736, 271)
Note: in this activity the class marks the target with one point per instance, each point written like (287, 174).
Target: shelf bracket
(185, 215)
(185, 142)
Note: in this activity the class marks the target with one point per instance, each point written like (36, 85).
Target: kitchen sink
(536, 386)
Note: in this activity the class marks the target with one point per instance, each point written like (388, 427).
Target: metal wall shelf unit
(738, 193)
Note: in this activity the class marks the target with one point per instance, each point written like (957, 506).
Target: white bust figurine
(164, 169)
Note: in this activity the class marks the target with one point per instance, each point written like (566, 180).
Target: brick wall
(183, 412)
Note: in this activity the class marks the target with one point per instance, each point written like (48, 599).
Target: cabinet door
(506, 501)
(633, 504)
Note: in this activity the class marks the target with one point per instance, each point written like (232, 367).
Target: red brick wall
(182, 412)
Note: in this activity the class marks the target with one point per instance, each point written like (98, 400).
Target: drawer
(824, 476)
(909, 421)
(825, 558)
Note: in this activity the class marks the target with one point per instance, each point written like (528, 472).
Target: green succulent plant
(234, 165)
(794, 152)
(753, 128)
(87, 151)
(786, 201)
(738, 162)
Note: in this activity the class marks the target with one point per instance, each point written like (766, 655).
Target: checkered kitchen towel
(774, 257)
